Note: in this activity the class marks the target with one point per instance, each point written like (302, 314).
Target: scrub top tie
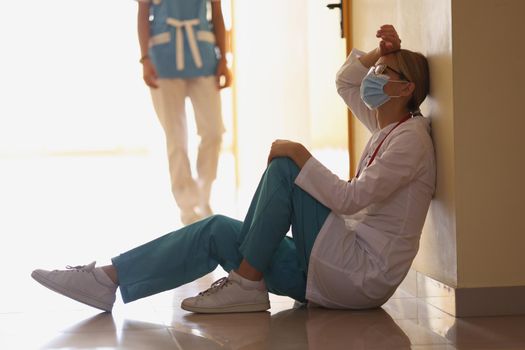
(188, 25)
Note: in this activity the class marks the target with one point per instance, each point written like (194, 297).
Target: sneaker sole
(227, 309)
(78, 296)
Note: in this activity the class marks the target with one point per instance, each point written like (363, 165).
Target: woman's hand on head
(293, 150)
(390, 41)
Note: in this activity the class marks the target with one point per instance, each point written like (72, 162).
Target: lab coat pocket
(374, 242)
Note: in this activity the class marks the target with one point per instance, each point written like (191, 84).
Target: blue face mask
(372, 89)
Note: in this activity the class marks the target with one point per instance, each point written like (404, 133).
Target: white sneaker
(81, 283)
(228, 295)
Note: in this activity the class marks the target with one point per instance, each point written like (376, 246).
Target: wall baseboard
(466, 302)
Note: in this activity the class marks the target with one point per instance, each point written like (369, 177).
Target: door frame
(347, 33)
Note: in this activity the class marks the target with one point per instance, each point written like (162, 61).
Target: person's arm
(293, 150)
(222, 72)
(149, 73)
(348, 83)
(351, 73)
(389, 43)
(394, 168)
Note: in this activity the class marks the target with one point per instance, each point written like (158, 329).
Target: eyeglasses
(381, 68)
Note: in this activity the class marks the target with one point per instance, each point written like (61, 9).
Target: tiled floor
(158, 323)
(58, 211)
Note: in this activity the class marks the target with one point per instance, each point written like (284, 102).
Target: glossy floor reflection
(58, 210)
(158, 323)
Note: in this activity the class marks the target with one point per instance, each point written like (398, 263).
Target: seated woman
(353, 241)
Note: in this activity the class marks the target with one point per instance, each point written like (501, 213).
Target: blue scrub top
(193, 56)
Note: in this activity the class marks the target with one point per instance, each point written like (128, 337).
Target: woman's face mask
(372, 87)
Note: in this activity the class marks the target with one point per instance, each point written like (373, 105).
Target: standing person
(183, 55)
(353, 241)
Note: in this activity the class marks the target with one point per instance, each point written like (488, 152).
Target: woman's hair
(414, 67)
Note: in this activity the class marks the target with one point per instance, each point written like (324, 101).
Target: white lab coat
(367, 244)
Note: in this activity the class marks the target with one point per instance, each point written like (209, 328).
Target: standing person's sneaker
(230, 294)
(86, 284)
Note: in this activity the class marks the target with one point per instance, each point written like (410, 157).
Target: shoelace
(217, 285)
(81, 268)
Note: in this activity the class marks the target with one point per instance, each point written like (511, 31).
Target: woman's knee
(283, 165)
(223, 240)
(223, 225)
(218, 220)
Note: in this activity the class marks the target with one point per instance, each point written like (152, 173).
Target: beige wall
(489, 91)
(474, 235)
(424, 26)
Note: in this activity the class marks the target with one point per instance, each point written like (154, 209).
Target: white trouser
(168, 100)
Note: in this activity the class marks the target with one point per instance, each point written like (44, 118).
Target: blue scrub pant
(195, 250)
